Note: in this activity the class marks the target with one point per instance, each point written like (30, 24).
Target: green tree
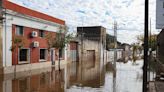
(59, 41)
(17, 43)
(152, 42)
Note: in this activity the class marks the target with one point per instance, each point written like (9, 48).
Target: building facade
(92, 44)
(23, 43)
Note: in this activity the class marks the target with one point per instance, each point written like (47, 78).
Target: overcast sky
(128, 13)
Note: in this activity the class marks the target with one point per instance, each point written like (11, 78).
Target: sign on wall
(160, 14)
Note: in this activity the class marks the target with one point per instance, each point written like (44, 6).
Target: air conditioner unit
(35, 44)
(34, 34)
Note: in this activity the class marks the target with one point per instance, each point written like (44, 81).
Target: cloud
(128, 13)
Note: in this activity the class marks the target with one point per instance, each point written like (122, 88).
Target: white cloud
(128, 13)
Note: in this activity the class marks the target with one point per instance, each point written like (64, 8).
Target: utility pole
(145, 46)
(115, 44)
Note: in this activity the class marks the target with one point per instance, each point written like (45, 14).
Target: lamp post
(145, 46)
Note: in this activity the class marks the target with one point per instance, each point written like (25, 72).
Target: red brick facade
(34, 52)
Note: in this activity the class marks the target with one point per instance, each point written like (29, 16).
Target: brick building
(160, 46)
(20, 26)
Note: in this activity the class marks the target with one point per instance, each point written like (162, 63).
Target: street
(72, 78)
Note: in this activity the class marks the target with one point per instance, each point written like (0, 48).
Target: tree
(17, 42)
(135, 47)
(61, 39)
(152, 41)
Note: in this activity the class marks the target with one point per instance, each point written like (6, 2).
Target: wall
(73, 55)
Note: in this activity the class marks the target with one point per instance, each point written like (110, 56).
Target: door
(90, 58)
(52, 56)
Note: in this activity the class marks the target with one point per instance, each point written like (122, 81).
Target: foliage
(62, 38)
(59, 40)
(50, 38)
(152, 40)
(18, 41)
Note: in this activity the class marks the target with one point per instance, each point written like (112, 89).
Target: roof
(30, 12)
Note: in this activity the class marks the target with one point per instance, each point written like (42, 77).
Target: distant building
(126, 52)
(20, 23)
(92, 44)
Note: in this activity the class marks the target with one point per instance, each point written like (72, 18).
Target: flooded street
(76, 78)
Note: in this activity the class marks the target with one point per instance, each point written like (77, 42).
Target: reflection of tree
(24, 85)
(60, 80)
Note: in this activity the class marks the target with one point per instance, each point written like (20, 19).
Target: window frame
(43, 35)
(28, 57)
(46, 52)
(19, 32)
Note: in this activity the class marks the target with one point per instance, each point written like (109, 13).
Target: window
(41, 33)
(42, 54)
(23, 55)
(19, 30)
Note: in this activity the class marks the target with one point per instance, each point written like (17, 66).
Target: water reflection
(78, 77)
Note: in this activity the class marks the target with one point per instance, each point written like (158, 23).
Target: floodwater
(77, 77)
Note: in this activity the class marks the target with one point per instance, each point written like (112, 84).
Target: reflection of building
(45, 81)
(27, 28)
(81, 75)
(92, 44)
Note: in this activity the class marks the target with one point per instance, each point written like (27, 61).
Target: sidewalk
(157, 86)
(152, 87)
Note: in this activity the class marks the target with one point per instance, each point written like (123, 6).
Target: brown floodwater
(77, 77)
